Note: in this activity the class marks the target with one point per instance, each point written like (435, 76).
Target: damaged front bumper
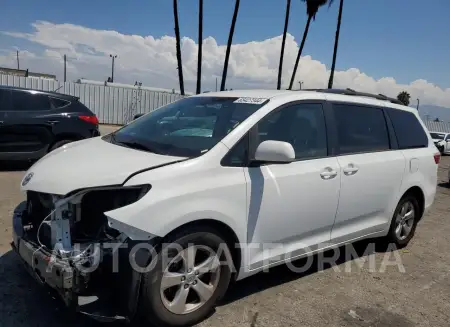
(100, 293)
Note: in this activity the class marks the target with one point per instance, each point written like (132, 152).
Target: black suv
(33, 123)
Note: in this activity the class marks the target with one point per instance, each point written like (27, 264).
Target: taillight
(89, 119)
(437, 158)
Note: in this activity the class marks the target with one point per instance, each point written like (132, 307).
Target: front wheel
(188, 280)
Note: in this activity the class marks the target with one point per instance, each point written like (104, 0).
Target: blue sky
(406, 39)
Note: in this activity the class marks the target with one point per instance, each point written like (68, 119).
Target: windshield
(188, 127)
(437, 136)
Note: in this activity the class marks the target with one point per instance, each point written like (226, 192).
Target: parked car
(33, 123)
(274, 177)
(442, 141)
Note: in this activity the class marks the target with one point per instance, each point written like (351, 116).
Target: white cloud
(153, 62)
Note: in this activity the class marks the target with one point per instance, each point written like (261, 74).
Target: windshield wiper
(137, 146)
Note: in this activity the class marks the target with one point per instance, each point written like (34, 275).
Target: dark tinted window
(408, 130)
(437, 136)
(5, 100)
(26, 101)
(361, 129)
(447, 138)
(58, 103)
(237, 157)
(301, 125)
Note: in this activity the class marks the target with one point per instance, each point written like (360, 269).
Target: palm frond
(312, 6)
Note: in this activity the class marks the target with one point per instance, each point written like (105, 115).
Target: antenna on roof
(58, 88)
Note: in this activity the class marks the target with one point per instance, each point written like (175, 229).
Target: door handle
(350, 170)
(328, 173)
(52, 122)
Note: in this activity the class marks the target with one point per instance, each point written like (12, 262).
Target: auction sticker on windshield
(251, 100)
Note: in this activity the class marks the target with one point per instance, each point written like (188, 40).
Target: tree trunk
(200, 45)
(230, 41)
(286, 23)
(300, 50)
(336, 41)
(177, 36)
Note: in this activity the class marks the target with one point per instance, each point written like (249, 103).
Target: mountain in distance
(431, 112)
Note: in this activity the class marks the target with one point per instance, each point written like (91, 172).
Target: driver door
(292, 206)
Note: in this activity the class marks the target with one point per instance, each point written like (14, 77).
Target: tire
(407, 232)
(59, 144)
(157, 306)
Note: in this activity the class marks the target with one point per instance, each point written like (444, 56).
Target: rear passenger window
(361, 129)
(409, 131)
(25, 101)
(5, 97)
(58, 103)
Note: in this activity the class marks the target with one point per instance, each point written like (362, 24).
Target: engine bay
(74, 230)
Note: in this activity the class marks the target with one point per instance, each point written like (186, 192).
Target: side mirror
(275, 152)
(137, 116)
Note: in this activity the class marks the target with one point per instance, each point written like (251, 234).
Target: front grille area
(39, 206)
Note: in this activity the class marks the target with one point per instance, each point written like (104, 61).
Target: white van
(164, 213)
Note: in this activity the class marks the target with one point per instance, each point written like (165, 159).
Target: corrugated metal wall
(437, 126)
(112, 105)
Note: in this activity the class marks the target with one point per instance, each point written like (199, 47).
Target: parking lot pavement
(106, 129)
(343, 295)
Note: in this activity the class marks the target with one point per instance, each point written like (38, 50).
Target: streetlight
(112, 67)
(300, 83)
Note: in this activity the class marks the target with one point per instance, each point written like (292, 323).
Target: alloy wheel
(190, 279)
(405, 221)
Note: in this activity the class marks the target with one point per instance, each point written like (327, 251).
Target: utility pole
(300, 83)
(65, 68)
(17, 55)
(418, 102)
(112, 67)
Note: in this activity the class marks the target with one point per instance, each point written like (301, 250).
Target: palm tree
(312, 7)
(404, 97)
(230, 41)
(200, 45)
(286, 23)
(177, 36)
(336, 41)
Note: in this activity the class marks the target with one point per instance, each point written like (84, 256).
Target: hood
(88, 163)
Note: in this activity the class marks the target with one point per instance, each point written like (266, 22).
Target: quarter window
(237, 157)
(58, 103)
(301, 125)
(361, 129)
(409, 131)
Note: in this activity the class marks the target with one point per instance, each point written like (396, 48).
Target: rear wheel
(404, 221)
(59, 144)
(188, 279)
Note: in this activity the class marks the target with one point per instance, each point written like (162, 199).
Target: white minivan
(159, 217)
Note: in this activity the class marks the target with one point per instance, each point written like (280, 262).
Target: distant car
(33, 123)
(442, 141)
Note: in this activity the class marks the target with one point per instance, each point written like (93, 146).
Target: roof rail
(349, 91)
